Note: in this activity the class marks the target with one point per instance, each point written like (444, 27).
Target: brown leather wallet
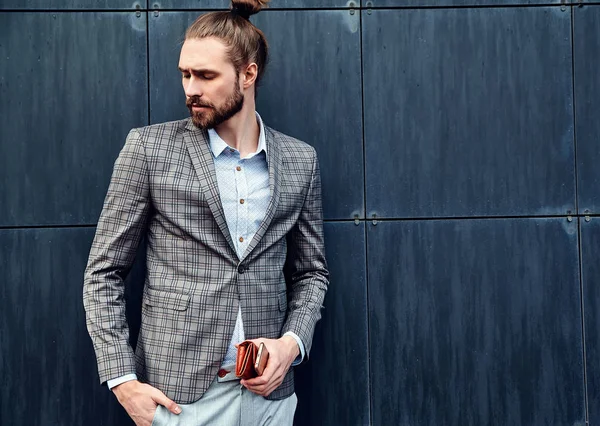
(251, 360)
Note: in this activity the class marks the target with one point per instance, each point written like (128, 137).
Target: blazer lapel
(197, 144)
(275, 169)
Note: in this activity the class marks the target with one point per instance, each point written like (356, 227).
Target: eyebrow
(198, 71)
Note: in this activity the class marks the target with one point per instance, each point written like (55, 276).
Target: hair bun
(246, 8)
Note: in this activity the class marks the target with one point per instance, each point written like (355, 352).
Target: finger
(255, 387)
(264, 388)
(161, 398)
(269, 389)
(257, 381)
(260, 340)
(263, 391)
(270, 370)
(273, 384)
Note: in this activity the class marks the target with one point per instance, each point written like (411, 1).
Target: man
(225, 203)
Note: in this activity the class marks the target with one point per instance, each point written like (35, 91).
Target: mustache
(195, 101)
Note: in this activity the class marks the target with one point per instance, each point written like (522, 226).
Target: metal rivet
(356, 221)
(569, 219)
(587, 218)
(351, 11)
(138, 14)
(375, 222)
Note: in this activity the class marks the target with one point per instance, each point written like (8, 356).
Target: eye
(208, 77)
(185, 76)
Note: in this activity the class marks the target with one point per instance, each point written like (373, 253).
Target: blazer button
(241, 269)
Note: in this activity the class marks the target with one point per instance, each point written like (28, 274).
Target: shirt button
(238, 168)
(241, 269)
(241, 239)
(242, 201)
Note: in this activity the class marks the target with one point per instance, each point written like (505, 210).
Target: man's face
(210, 82)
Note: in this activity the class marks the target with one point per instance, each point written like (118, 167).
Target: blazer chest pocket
(290, 202)
(166, 300)
(283, 301)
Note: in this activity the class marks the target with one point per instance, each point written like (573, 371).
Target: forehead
(204, 53)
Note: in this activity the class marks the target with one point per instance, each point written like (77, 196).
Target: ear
(249, 75)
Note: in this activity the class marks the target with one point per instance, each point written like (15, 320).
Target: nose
(192, 87)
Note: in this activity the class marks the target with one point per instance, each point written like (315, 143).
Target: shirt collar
(218, 145)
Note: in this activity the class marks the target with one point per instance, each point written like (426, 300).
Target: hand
(282, 352)
(140, 401)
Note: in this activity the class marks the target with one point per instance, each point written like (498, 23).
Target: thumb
(161, 398)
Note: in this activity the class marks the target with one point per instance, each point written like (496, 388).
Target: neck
(241, 131)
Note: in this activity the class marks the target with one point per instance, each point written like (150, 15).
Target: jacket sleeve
(307, 275)
(120, 228)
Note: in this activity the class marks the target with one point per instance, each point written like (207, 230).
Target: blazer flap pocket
(167, 299)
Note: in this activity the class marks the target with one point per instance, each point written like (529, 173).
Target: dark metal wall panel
(586, 42)
(312, 91)
(475, 322)
(71, 4)
(49, 374)
(590, 256)
(437, 3)
(332, 387)
(165, 38)
(71, 86)
(224, 4)
(468, 112)
(325, 111)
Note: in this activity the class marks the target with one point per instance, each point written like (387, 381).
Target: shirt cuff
(116, 382)
(300, 357)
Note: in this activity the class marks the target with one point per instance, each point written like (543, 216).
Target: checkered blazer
(164, 187)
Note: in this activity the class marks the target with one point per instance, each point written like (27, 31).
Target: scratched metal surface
(49, 374)
(590, 242)
(586, 43)
(72, 86)
(475, 322)
(468, 112)
(333, 388)
(274, 4)
(72, 4)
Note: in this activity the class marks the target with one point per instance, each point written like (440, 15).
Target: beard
(215, 115)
